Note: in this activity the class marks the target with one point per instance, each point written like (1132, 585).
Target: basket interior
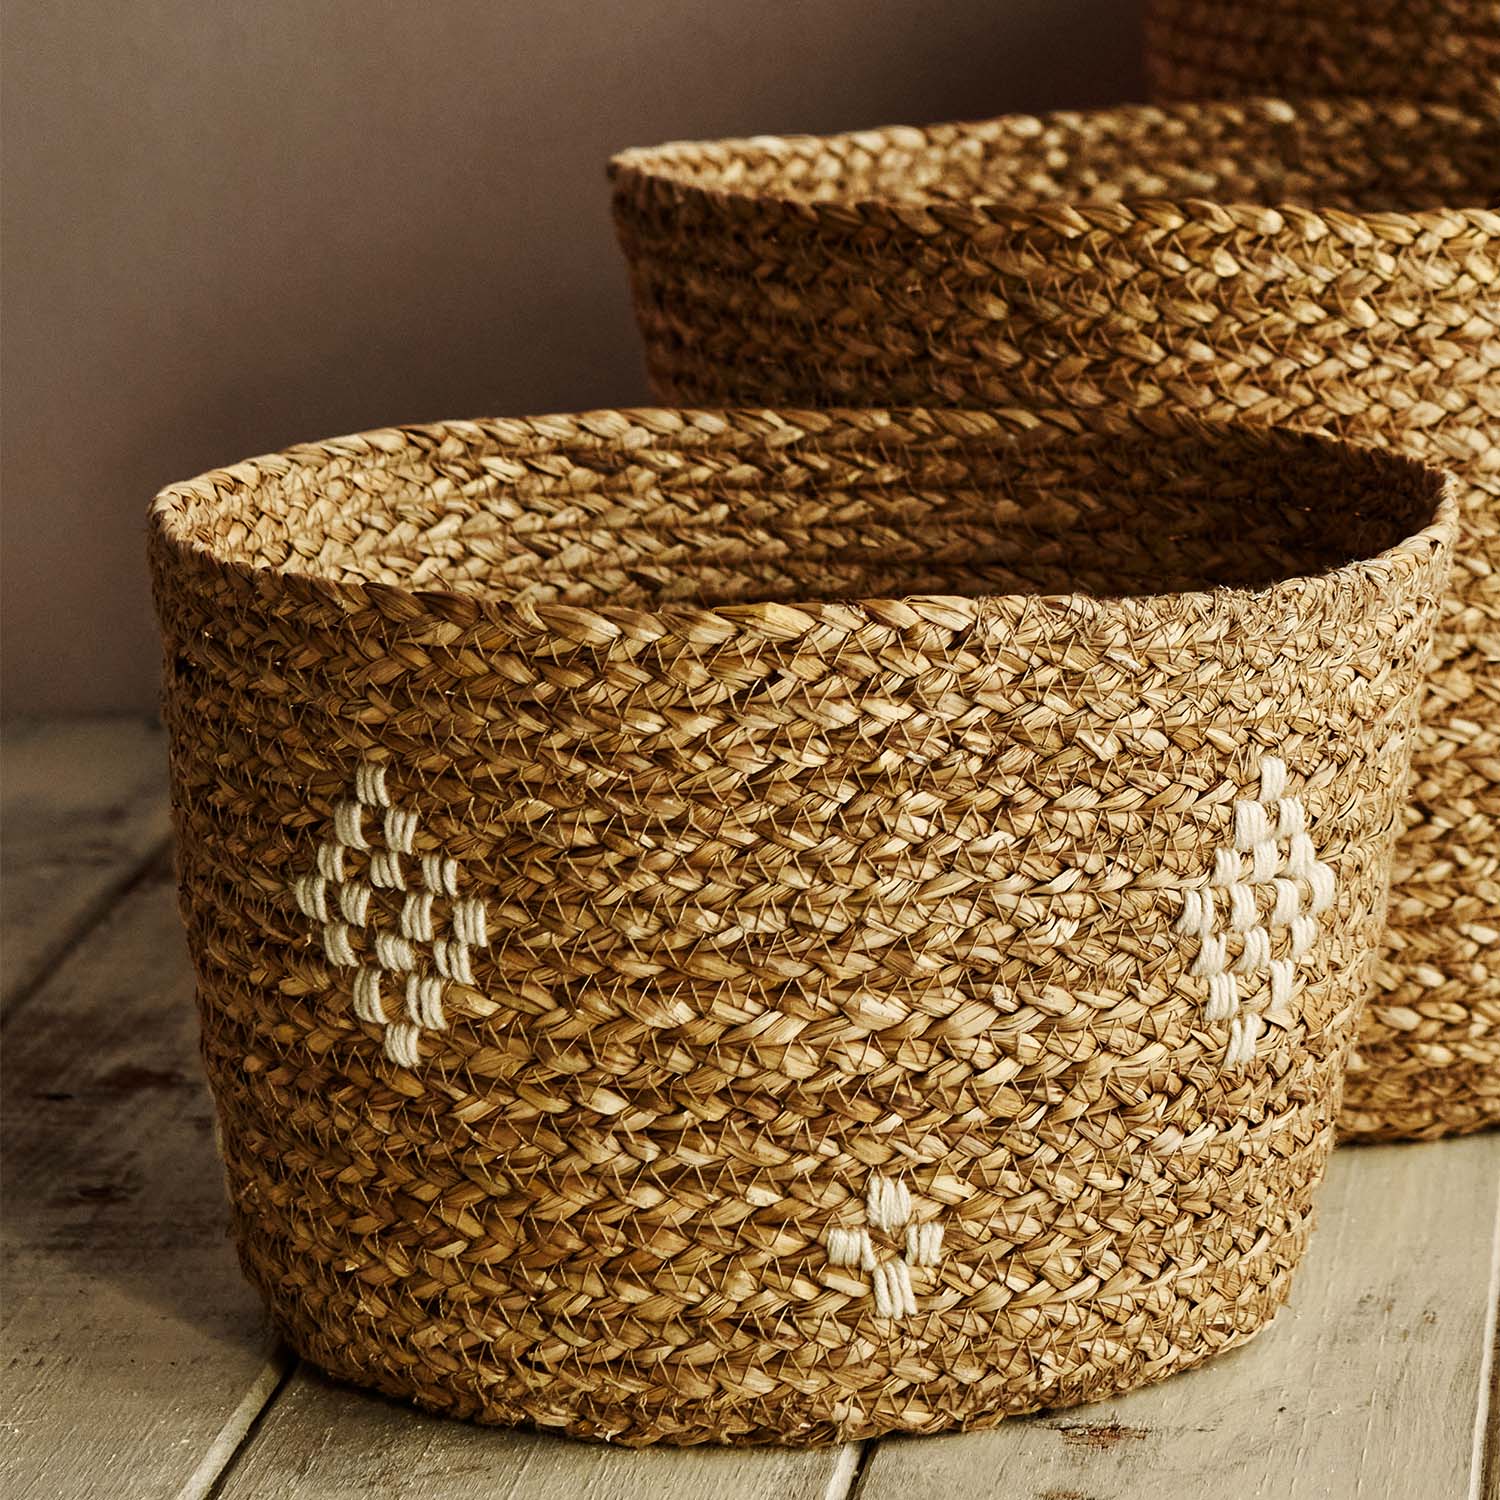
(1396, 158)
(780, 515)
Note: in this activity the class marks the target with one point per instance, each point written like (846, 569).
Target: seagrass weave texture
(1328, 265)
(1443, 50)
(749, 926)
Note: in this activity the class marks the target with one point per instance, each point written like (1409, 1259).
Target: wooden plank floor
(139, 1364)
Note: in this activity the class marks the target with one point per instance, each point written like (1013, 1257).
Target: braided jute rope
(1144, 260)
(1444, 50)
(750, 926)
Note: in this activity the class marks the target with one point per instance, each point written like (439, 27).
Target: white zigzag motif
(888, 1209)
(1267, 892)
(421, 963)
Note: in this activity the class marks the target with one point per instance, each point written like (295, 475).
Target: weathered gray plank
(1369, 1384)
(136, 1356)
(332, 1442)
(84, 808)
(336, 1444)
(1487, 1429)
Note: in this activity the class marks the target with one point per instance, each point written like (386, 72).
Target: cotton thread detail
(924, 1244)
(311, 892)
(888, 1209)
(349, 825)
(367, 996)
(850, 1247)
(471, 923)
(416, 916)
(401, 1039)
(887, 1204)
(369, 785)
(336, 945)
(1256, 953)
(400, 826)
(1212, 957)
(1275, 887)
(361, 870)
(1197, 919)
(354, 902)
(1223, 997)
(891, 1284)
(424, 1002)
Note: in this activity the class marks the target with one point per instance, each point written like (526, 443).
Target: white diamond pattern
(888, 1210)
(1257, 917)
(407, 959)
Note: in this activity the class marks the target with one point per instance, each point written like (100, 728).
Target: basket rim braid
(600, 431)
(677, 167)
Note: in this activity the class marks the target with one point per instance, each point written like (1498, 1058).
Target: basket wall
(702, 936)
(1129, 263)
(1443, 50)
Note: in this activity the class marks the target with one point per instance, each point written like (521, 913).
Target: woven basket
(1075, 262)
(707, 929)
(1445, 50)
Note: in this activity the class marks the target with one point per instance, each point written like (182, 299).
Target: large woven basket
(742, 926)
(1134, 261)
(1445, 50)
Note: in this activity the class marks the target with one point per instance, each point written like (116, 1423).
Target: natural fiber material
(707, 931)
(1444, 50)
(1133, 261)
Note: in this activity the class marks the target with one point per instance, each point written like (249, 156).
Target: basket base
(756, 1408)
(1389, 1100)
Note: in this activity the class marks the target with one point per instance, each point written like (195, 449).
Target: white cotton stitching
(416, 916)
(1256, 953)
(848, 1247)
(1272, 830)
(471, 923)
(401, 1043)
(400, 828)
(336, 945)
(924, 1244)
(354, 902)
(440, 874)
(1288, 899)
(1272, 778)
(423, 964)
(349, 825)
(888, 1208)
(311, 892)
(1265, 862)
(1241, 907)
(367, 1004)
(1211, 957)
(1250, 826)
(1291, 817)
(1223, 997)
(369, 785)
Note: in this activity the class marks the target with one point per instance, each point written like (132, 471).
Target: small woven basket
(1132, 261)
(748, 926)
(1444, 50)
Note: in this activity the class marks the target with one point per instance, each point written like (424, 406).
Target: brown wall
(234, 224)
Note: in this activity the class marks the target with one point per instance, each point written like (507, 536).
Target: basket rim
(1297, 596)
(659, 168)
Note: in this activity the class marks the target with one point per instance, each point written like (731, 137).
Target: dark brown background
(230, 225)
